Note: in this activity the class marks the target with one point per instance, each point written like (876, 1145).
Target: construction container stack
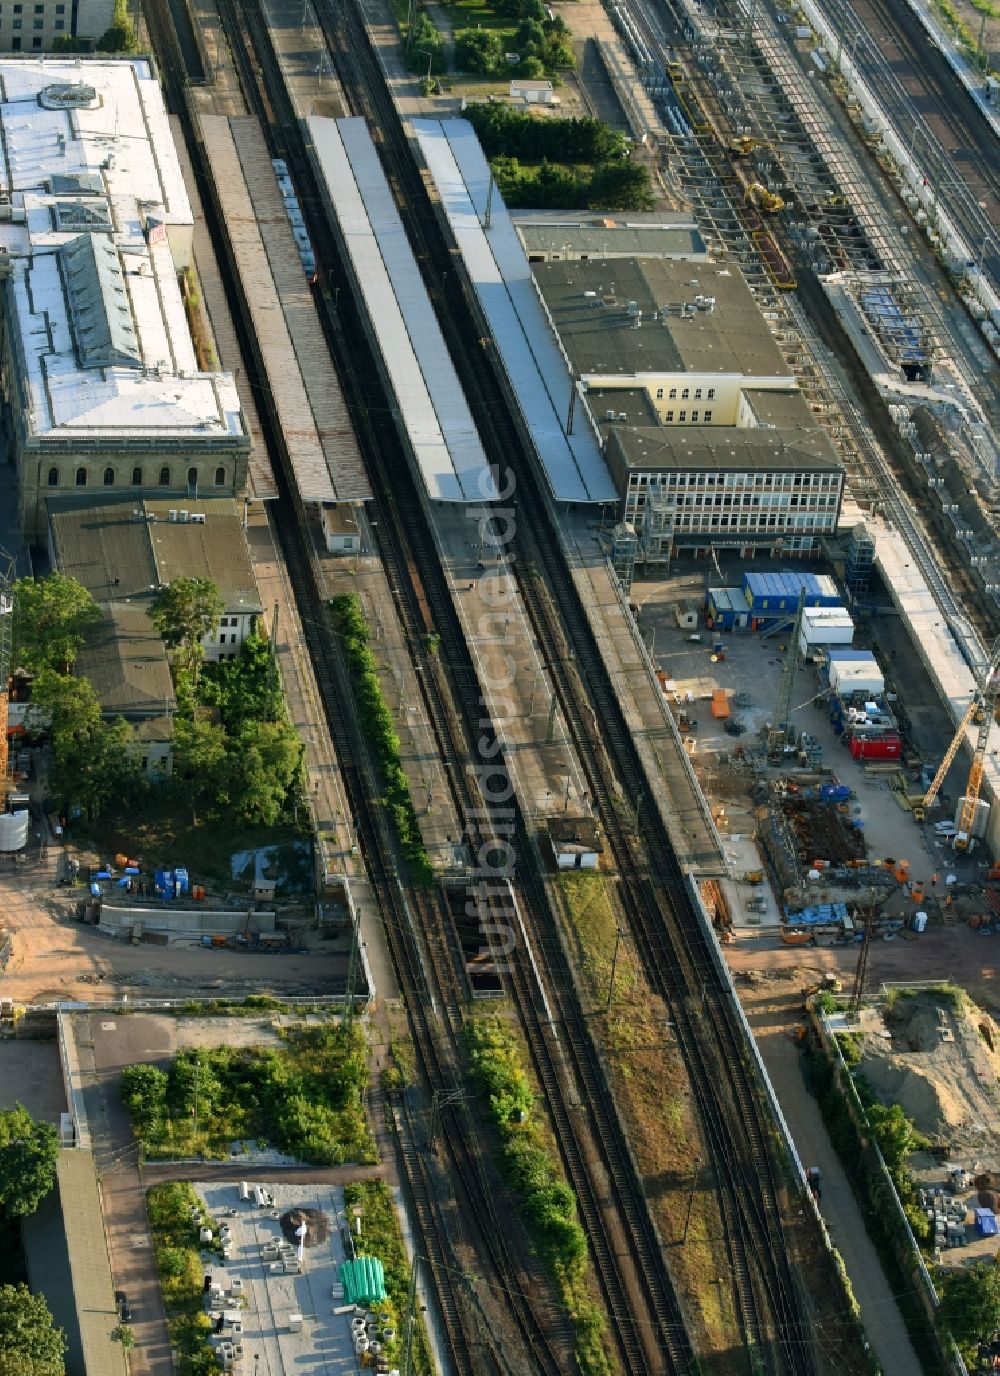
(858, 708)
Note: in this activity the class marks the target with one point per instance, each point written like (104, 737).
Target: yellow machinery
(744, 145)
(760, 198)
(981, 709)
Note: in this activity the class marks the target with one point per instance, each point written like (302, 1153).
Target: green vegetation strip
(380, 1237)
(572, 163)
(175, 1232)
(377, 724)
(856, 1123)
(307, 1097)
(548, 1206)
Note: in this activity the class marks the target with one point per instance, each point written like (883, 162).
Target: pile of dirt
(940, 1068)
(314, 1219)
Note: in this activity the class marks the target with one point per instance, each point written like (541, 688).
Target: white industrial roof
(86, 150)
(495, 260)
(431, 402)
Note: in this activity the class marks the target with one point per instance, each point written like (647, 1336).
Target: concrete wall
(185, 921)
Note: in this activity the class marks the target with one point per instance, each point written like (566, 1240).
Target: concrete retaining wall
(186, 921)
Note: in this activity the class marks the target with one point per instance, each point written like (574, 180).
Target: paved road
(879, 1312)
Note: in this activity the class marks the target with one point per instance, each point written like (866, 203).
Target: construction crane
(981, 708)
(6, 640)
(781, 729)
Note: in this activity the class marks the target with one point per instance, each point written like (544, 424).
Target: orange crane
(981, 708)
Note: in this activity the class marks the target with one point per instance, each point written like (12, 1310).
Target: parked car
(123, 1306)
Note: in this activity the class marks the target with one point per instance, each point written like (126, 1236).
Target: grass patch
(531, 1165)
(651, 1090)
(377, 724)
(380, 1237)
(178, 1262)
(307, 1098)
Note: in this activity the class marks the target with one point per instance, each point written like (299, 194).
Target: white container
(205, 1235)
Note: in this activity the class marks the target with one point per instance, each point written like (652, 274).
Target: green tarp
(363, 1280)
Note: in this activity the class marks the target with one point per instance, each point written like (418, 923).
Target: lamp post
(430, 62)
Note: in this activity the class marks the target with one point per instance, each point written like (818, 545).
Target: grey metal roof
(125, 661)
(589, 303)
(68, 1262)
(573, 464)
(614, 240)
(99, 308)
(722, 448)
(76, 184)
(432, 405)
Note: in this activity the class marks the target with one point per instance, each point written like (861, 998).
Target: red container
(876, 748)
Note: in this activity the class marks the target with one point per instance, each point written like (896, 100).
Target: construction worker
(948, 901)
(934, 879)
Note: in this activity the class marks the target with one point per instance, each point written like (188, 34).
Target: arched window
(220, 477)
(192, 477)
(164, 477)
(109, 477)
(137, 477)
(53, 477)
(81, 477)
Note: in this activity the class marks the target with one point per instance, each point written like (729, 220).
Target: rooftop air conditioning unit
(172, 514)
(184, 516)
(198, 517)
(623, 415)
(609, 414)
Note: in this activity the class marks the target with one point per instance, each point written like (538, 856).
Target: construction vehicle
(983, 706)
(744, 145)
(760, 198)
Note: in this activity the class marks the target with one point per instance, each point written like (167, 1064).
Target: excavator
(760, 198)
(744, 144)
(981, 709)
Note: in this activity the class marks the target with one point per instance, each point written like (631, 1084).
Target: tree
(199, 761)
(119, 38)
(478, 50)
(529, 37)
(28, 1152)
(93, 762)
(621, 186)
(51, 616)
(30, 1345)
(970, 1305)
(246, 688)
(531, 67)
(125, 1335)
(895, 1134)
(184, 611)
(265, 766)
(144, 1093)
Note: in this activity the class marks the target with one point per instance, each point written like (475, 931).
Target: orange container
(720, 703)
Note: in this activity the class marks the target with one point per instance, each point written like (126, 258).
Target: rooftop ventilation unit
(198, 517)
(172, 514)
(184, 516)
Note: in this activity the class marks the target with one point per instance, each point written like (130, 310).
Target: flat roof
(589, 304)
(432, 405)
(125, 661)
(67, 1253)
(122, 549)
(634, 241)
(779, 406)
(537, 369)
(97, 206)
(723, 448)
(125, 547)
(632, 403)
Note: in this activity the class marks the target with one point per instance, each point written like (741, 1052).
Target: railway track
(678, 950)
(594, 1148)
(919, 92)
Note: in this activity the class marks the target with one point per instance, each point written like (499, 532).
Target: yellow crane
(980, 709)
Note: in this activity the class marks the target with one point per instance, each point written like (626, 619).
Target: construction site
(846, 801)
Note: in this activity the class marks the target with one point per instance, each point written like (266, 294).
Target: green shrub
(548, 1205)
(377, 724)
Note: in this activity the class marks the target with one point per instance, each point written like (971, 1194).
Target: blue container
(181, 882)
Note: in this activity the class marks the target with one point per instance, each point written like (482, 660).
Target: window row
(37, 9)
(138, 477)
(36, 42)
(683, 415)
(685, 394)
(783, 481)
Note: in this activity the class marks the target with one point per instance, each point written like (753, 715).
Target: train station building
(103, 385)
